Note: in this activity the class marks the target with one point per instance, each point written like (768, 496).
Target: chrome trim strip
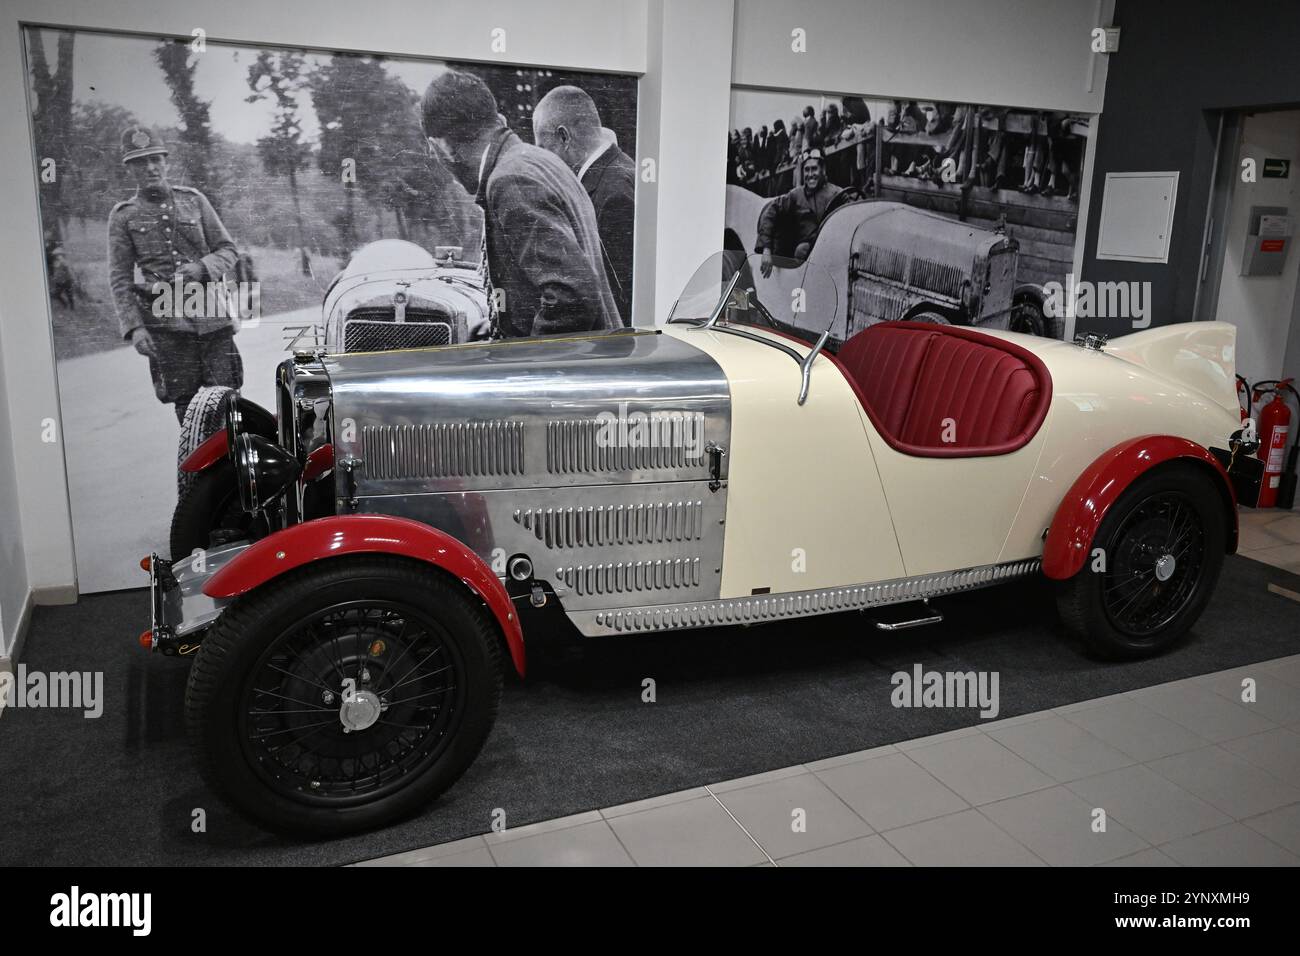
(769, 607)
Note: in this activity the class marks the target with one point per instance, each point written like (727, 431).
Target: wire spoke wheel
(344, 695)
(1163, 541)
(1158, 554)
(351, 702)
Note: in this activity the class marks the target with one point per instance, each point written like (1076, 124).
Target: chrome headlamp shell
(234, 423)
(262, 470)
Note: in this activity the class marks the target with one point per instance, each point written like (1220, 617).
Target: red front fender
(1085, 505)
(369, 534)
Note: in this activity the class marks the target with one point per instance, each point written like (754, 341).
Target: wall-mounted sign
(1272, 245)
(1277, 168)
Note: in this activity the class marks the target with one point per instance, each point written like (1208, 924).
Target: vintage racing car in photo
(351, 618)
(892, 261)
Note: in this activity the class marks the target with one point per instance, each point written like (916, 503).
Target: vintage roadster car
(417, 509)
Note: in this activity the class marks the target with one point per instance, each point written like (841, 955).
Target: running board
(935, 617)
(756, 609)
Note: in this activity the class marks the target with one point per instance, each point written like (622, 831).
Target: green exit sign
(1277, 168)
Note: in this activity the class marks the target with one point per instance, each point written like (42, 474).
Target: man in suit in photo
(541, 248)
(567, 123)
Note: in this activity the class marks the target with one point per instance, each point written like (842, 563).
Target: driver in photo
(790, 222)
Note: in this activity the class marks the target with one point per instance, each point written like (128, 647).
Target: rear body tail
(1199, 355)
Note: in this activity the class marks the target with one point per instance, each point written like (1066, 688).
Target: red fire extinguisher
(1274, 426)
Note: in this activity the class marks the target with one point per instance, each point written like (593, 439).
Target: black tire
(265, 651)
(1028, 317)
(1126, 611)
(928, 315)
(210, 503)
(206, 415)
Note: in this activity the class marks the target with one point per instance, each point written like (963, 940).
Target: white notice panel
(1137, 216)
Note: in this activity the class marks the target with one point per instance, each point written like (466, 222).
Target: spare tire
(206, 415)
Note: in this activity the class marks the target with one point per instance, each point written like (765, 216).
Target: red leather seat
(944, 391)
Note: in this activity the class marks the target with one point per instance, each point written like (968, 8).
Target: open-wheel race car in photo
(397, 541)
(891, 261)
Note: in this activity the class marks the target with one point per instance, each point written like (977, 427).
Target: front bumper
(179, 610)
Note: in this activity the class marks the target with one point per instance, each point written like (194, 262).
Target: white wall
(13, 567)
(1032, 53)
(1261, 306)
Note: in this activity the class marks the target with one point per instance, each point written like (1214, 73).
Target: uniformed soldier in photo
(167, 232)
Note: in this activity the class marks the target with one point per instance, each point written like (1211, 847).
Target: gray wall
(1177, 60)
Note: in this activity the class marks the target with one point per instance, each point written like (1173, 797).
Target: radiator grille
(447, 450)
(875, 303)
(625, 576)
(377, 334)
(610, 525)
(585, 446)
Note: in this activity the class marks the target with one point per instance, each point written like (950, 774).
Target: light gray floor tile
(1276, 751)
(428, 852)
(864, 851)
(958, 734)
(1286, 557)
(767, 812)
(1233, 845)
(1201, 710)
(1282, 826)
(1144, 858)
(742, 782)
(664, 800)
(1287, 668)
(891, 791)
(1057, 826)
(989, 726)
(1274, 698)
(850, 758)
(1136, 730)
(1235, 786)
(1148, 804)
(690, 833)
(1091, 703)
(543, 826)
(480, 857)
(961, 839)
(588, 844)
(1062, 750)
(979, 769)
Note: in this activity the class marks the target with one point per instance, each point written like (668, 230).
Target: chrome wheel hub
(1165, 566)
(359, 711)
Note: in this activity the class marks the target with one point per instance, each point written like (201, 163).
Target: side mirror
(805, 367)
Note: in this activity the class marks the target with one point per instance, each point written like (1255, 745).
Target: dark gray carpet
(121, 789)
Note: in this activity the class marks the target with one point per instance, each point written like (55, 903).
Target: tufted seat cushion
(946, 391)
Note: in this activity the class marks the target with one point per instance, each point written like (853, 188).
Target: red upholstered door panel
(945, 391)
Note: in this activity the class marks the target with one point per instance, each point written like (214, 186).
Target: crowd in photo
(948, 144)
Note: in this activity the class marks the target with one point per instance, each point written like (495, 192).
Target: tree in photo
(277, 75)
(178, 67)
(52, 121)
